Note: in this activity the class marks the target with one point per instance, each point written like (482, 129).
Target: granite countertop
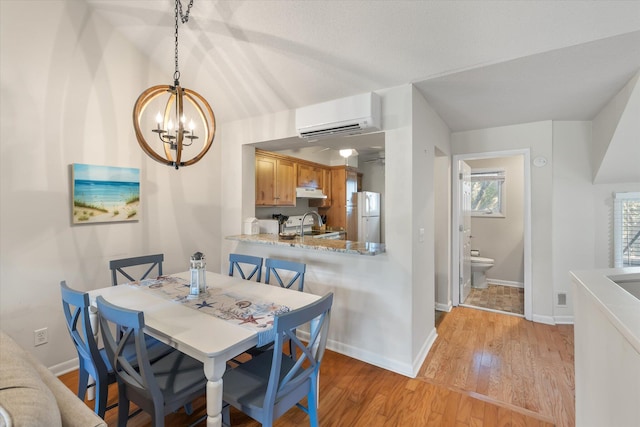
(308, 242)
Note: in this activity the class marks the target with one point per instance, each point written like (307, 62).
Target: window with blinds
(487, 193)
(626, 229)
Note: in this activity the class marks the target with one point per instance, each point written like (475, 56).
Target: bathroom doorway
(491, 235)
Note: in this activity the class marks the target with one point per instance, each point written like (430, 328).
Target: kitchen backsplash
(302, 206)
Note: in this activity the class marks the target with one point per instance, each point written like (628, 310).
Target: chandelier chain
(184, 18)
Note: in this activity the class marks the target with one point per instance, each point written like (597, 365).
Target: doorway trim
(455, 223)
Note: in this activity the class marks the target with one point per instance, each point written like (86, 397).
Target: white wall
(442, 231)
(68, 88)
(582, 211)
(429, 133)
(537, 137)
(374, 316)
(502, 238)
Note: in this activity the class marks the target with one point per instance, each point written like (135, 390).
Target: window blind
(626, 228)
(488, 176)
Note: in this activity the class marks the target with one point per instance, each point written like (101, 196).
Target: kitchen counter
(308, 242)
(612, 291)
(606, 305)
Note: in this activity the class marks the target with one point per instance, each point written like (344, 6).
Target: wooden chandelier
(172, 116)
(171, 125)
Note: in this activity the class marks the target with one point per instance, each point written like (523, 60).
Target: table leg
(213, 370)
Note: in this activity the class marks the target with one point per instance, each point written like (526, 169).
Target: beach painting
(105, 194)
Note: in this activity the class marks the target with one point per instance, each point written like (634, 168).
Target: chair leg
(102, 391)
(123, 408)
(188, 408)
(226, 415)
(83, 380)
(312, 401)
(157, 416)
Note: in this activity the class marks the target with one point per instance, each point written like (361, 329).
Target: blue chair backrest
(76, 306)
(283, 382)
(273, 265)
(118, 265)
(135, 371)
(236, 261)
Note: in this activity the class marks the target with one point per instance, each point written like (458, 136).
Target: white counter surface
(620, 306)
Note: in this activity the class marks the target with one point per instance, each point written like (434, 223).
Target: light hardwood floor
(485, 369)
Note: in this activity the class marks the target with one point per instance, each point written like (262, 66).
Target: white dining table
(207, 338)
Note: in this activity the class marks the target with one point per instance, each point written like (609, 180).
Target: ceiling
(478, 63)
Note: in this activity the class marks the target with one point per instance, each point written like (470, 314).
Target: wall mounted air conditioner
(345, 116)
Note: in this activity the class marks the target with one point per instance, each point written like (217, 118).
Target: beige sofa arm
(31, 395)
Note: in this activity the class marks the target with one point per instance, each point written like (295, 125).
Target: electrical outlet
(40, 336)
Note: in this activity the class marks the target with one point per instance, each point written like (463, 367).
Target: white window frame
(620, 235)
(501, 177)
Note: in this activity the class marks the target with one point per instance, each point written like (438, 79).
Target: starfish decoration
(250, 319)
(204, 304)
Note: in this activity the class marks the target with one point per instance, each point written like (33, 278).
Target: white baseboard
(368, 357)
(505, 283)
(564, 320)
(444, 307)
(547, 320)
(424, 351)
(64, 367)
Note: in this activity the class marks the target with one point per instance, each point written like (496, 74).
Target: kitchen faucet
(304, 217)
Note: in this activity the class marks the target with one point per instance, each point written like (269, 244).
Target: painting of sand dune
(105, 194)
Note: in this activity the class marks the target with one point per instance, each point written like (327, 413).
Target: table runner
(223, 303)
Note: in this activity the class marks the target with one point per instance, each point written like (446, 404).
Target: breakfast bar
(309, 242)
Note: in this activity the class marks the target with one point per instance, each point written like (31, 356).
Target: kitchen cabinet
(309, 176)
(275, 180)
(326, 189)
(343, 210)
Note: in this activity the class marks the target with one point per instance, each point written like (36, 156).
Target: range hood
(310, 193)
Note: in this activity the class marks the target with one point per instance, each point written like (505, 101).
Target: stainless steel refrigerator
(368, 217)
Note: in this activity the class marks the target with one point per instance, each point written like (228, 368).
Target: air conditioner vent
(341, 117)
(355, 128)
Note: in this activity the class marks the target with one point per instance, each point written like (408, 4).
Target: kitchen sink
(322, 234)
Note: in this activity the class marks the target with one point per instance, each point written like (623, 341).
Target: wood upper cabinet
(309, 176)
(351, 186)
(326, 189)
(275, 181)
(343, 210)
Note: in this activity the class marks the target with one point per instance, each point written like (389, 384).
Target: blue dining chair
(127, 266)
(238, 261)
(93, 360)
(158, 387)
(269, 385)
(276, 266)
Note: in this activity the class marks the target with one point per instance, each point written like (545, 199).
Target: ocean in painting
(105, 194)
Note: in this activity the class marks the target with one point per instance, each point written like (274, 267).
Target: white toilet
(479, 267)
